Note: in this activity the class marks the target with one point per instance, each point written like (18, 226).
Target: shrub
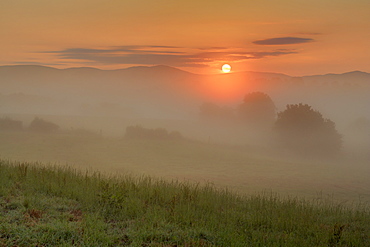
(8, 124)
(40, 125)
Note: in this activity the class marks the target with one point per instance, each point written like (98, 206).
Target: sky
(294, 37)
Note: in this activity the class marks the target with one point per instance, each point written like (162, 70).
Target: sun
(226, 68)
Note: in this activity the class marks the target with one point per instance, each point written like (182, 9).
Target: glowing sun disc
(226, 68)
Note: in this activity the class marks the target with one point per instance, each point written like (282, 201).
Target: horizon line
(176, 68)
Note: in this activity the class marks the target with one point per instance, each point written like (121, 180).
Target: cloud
(35, 63)
(282, 41)
(119, 49)
(162, 55)
(213, 48)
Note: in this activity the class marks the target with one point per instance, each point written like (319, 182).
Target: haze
(136, 87)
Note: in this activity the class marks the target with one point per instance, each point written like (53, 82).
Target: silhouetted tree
(304, 130)
(257, 109)
(41, 125)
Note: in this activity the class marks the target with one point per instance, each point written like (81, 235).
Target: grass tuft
(60, 206)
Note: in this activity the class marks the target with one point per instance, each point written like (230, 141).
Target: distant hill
(354, 78)
(164, 90)
(24, 75)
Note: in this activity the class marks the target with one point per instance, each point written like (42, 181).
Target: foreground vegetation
(60, 206)
(244, 169)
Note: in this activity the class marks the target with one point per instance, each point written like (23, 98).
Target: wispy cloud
(213, 48)
(120, 49)
(35, 63)
(165, 55)
(283, 41)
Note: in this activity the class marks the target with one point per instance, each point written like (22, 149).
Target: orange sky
(295, 37)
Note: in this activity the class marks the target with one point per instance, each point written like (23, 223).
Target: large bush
(41, 125)
(304, 130)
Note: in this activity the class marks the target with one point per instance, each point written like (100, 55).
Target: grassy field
(241, 169)
(61, 206)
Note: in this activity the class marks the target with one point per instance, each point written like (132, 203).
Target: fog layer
(169, 123)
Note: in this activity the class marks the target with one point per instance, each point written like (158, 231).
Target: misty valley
(222, 129)
(156, 156)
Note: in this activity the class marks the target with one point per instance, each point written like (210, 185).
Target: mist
(165, 122)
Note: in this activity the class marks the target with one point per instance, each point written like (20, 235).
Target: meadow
(244, 169)
(43, 205)
(80, 188)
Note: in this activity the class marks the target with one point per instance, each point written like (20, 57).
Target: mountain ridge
(172, 93)
(174, 69)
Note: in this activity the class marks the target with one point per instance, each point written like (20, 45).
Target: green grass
(243, 169)
(60, 206)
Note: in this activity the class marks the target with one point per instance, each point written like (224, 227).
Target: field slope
(60, 206)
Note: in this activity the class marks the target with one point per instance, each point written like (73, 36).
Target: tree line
(37, 125)
(299, 127)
